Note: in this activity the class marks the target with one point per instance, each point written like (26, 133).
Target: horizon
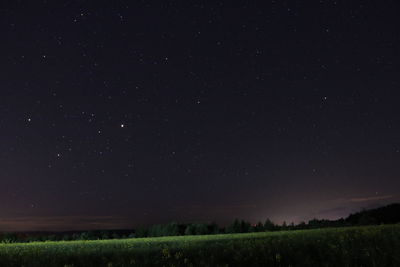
(10, 224)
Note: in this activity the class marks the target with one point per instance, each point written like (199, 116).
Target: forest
(389, 214)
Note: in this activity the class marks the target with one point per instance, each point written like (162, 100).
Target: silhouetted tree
(284, 226)
(269, 225)
(190, 229)
(213, 228)
(259, 227)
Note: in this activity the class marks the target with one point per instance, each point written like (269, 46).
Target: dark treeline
(237, 226)
(385, 215)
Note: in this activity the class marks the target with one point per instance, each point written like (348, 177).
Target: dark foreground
(349, 246)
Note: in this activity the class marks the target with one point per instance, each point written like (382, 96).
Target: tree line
(389, 214)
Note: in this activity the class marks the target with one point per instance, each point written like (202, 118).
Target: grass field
(349, 246)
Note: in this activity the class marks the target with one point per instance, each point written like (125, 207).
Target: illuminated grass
(349, 246)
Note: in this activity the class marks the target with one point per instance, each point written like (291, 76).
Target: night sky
(131, 113)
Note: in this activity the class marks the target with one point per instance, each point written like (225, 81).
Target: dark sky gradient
(142, 112)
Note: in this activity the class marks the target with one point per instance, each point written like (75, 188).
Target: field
(348, 246)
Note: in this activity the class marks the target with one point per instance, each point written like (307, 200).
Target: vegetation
(346, 246)
(385, 215)
(345, 242)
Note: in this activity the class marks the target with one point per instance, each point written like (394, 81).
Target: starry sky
(130, 113)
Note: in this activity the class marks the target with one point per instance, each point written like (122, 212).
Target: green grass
(349, 246)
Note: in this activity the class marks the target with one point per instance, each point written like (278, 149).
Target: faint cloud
(342, 207)
(60, 223)
(363, 199)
